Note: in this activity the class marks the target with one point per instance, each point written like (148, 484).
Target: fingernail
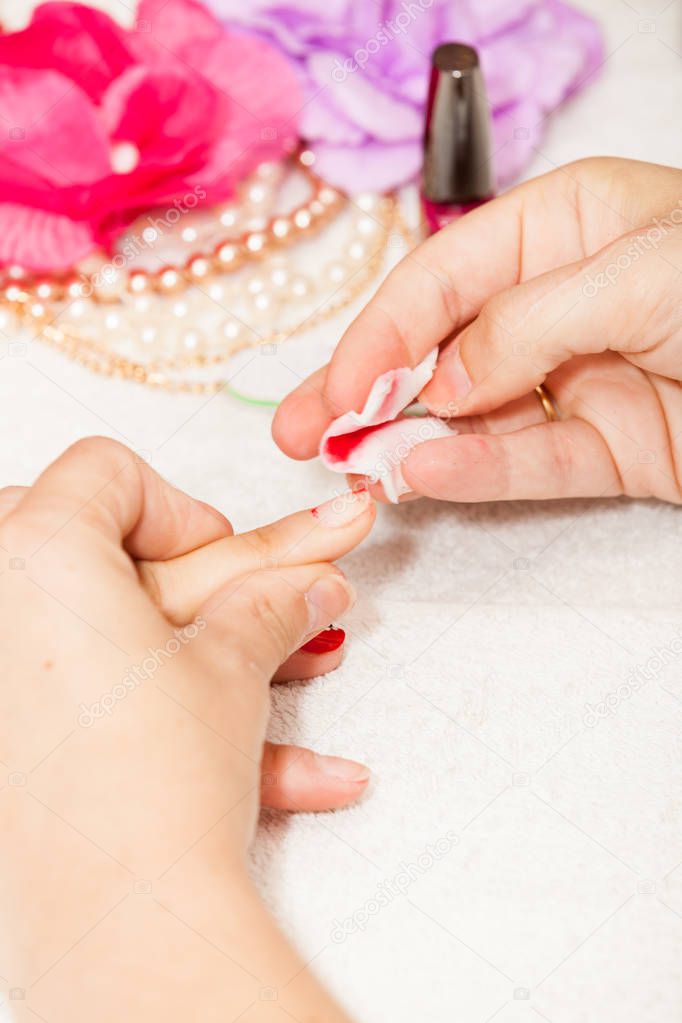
(343, 509)
(325, 642)
(454, 372)
(342, 770)
(327, 599)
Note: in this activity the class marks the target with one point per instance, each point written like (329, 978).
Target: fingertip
(298, 779)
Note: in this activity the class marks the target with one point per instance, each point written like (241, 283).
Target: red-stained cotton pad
(375, 441)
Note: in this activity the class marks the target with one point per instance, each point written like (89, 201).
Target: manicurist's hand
(140, 638)
(573, 280)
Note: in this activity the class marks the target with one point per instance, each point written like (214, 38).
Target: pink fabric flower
(100, 123)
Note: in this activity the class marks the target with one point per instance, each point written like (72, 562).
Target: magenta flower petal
(57, 138)
(104, 122)
(84, 44)
(190, 114)
(38, 238)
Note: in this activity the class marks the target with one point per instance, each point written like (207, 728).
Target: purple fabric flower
(364, 66)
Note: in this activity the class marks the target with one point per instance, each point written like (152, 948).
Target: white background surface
(479, 636)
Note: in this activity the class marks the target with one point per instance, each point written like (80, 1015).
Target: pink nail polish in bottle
(457, 174)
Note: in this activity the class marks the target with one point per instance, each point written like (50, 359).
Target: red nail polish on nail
(325, 642)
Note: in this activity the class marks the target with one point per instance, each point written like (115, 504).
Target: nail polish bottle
(457, 173)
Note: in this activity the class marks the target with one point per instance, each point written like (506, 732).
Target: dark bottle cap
(457, 150)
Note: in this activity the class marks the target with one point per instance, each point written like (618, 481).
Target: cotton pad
(375, 441)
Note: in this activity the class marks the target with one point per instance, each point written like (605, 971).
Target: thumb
(621, 298)
(255, 623)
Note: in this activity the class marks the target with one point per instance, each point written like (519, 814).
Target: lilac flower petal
(370, 167)
(375, 111)
(371, 61)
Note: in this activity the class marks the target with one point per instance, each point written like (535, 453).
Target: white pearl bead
(279, 277)
(216, 292)
(112, 321)
(138, 282)
(77, 309)
(262, 301)
(228, 255)
(229, 216)
(367, 226)
(37, 310)
(336, 272)
(258, 194)
(142, 304)
(303, 218)
(149, 334)
(357, 251)
(125, 157)
(189, 235)
(366, 201)
(255, 242)
(255, 285)
(328, 196)
(180, 310)
(199, 268)
(232, 329)
(299, 286)
(170, 280)
(150, 235)
(192, 340)
(281, 227)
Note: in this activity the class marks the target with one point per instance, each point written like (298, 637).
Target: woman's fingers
(623, 298)
(180, 586)
(103, 483)
(551, 460)
(293, 778)
(436, 290)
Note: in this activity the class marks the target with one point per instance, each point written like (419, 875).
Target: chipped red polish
(325, 642)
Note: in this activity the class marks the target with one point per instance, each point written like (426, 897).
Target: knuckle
(99, 448)
(102, 453)
(275, 619)
(561, 460)
(264, 542)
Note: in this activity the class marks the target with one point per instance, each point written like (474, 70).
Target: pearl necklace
(249, 237)
(151, 338)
